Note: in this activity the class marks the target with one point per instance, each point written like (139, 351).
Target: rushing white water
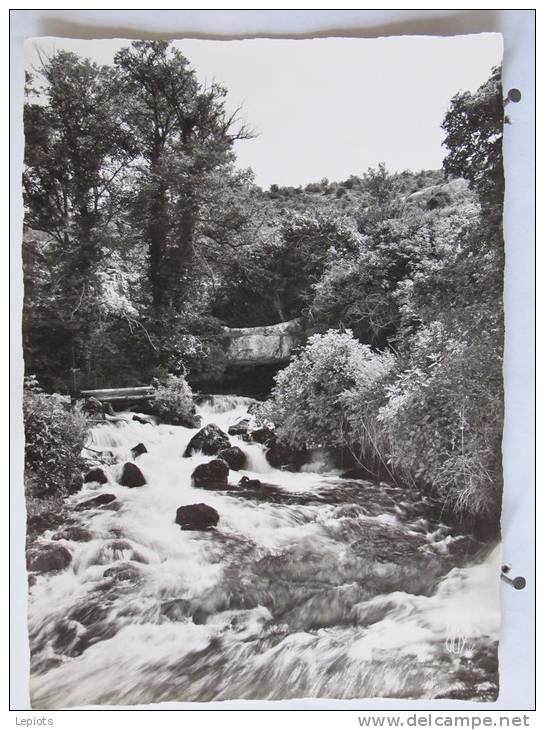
(319, 587)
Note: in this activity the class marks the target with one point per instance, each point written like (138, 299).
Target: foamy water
(319, 587)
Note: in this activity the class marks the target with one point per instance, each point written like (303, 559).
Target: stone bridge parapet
(263, 345)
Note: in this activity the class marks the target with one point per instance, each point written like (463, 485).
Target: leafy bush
(307, 401)
(443, 417)
(55, 433)
(173, 400)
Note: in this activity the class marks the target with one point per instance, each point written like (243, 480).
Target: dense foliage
(307, 400)
(55, 433)
(143, 238)
(173, 400)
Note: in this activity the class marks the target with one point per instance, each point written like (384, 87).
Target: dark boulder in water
(143, 420)
(131, 476)
(48, 558)
(263, 435)
(137, 450)
(235, 457)
(74, 533)
(98, 501)
(210, 440)
(191, 420)
(197, 517)
(240, 428)
(95, 475)
(124, 572)
(285, 457)
(211, 475)
(250, 483)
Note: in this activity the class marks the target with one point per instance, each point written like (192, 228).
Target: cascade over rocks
(138, 450)
(131, 476)
(234, 456)
(95, 475)
(177, 609)
(210, 440)
(48, 558)
(211, 475)
(197, 517)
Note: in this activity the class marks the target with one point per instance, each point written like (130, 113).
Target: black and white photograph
(263, 340)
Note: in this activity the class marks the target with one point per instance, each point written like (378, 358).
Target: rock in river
(144, 420)
(263, 435)
(240, 427)
(249, 483)
(98, 501)
(210, 440)
(284, 457)
(138, 450)
(48, 558)
(95, 475)
(196, 517)
(235, 457)
(123, 572)
(73, 532)
(210, 475)
(131, 476)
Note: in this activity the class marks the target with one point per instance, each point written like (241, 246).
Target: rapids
(318, 587)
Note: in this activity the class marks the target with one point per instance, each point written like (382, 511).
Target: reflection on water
(311, 586)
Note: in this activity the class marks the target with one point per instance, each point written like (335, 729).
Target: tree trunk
(157, 230)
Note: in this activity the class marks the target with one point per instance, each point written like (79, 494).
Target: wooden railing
(110, 394)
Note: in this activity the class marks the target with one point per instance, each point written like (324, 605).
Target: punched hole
(514, 95)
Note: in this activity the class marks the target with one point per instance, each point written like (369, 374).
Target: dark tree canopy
(474, 137)
(185, 136)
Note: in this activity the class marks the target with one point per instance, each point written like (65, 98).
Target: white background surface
(517, 640)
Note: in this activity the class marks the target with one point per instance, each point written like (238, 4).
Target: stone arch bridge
(243, 347)
(269, 345)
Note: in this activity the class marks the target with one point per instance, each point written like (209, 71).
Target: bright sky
(331, 107)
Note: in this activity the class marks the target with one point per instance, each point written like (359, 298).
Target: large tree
(75, 153)
(185, 136)
(77, 158)
(474, 134)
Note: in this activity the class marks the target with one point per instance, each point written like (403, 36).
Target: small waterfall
(311, 586)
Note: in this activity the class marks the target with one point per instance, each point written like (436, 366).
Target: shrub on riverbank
(431, 418)
(55, 433)
(309, 399)
(173, 400)
(442, 419)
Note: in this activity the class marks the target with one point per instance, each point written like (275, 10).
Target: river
(318, 587)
